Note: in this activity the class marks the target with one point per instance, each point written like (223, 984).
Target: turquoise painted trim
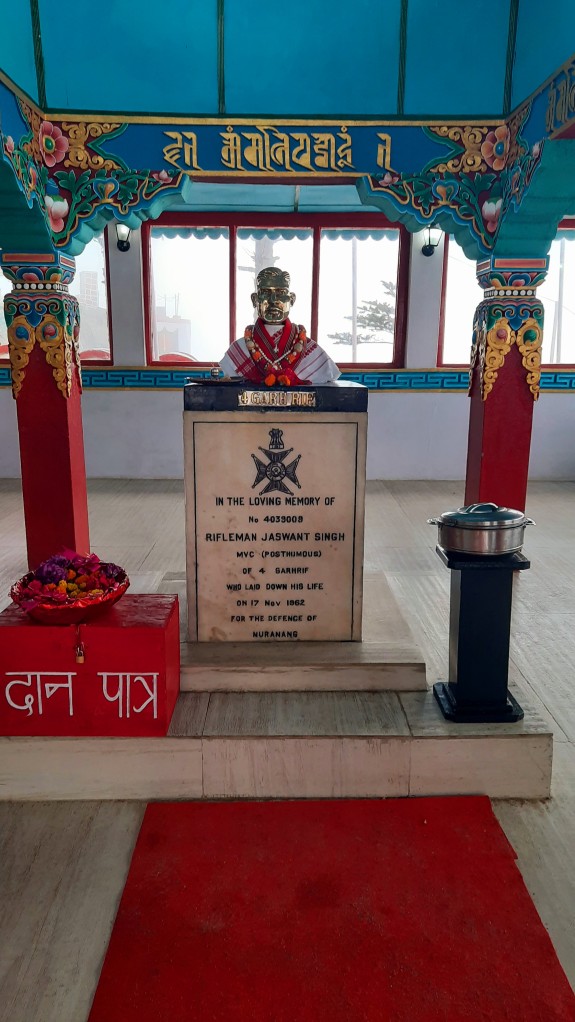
(221, 59)
(402, 56)
(38, 53)
(398, 380)
(511, 41)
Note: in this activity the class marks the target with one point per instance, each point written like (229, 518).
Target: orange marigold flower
(270, 380)
(70, 573)
(285, 381)
(256, 355)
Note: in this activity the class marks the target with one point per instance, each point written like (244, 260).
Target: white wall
(138, 434)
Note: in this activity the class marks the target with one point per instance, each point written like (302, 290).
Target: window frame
(88, 362)
(563, 225)
(316, 222)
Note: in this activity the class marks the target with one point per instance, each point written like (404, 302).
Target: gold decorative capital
(59, 343)
(498, 343)
(529, 340)
(493, 346)
(21, 340)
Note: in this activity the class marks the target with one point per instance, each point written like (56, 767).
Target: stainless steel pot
(485, 529)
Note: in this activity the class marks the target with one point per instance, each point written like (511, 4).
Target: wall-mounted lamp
(431, 239)
(123, 235)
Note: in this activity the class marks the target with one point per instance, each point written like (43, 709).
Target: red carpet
(397, 911)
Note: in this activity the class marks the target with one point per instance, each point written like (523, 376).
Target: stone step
(301, 666)
(290, 745)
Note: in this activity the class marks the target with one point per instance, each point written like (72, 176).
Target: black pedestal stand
(479, 630)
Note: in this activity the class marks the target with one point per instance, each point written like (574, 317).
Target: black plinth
(479, 634)
(229, 395)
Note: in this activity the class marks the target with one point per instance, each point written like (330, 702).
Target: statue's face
(273, 303)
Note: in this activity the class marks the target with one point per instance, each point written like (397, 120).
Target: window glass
(558, 297)
(289, 250)
(462, 296)
(357, 295)
(89, 286)
(189, 295)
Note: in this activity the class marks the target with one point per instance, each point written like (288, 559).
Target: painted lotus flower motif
(389, 178)
(490, 212)
(9, 144)
(57, 209)
(162, 176)
(53, 144)
(495, 148)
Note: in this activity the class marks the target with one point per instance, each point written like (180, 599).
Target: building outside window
(462, 294)
(90, 287)
(350, 282)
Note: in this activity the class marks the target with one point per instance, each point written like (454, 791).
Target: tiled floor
(62, 865)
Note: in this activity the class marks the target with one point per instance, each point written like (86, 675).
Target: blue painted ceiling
(384, 58)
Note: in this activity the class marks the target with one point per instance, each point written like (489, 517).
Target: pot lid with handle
(483, 516)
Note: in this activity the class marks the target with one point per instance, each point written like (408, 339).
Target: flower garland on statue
(278, 370)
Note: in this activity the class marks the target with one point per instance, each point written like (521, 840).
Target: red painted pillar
(504, 380)
(43, 331)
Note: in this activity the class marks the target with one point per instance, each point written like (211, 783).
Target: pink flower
(490, 212)
(389, 178)
(57, 209)
(162, 175)
(53, 144)
(9, 144)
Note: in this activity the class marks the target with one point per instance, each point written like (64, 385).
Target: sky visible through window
(190, 290)
(463, 294)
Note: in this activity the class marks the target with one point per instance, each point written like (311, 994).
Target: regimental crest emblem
(274, 471)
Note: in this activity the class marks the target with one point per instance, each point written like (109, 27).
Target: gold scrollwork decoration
(529, 340)
(20, 343)
(57, 348)
(498, 344)
(492, 347)
(470, 138)
(79, 155)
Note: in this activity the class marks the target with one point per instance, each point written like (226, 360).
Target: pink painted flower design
(53, 144)
(490, 212)
(57, 209)
(389, 178)
(9, 144)
(495, 148)
(162, 176)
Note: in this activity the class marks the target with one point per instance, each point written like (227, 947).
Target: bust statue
(274, 350)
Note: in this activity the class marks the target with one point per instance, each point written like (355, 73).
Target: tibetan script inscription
(561, 99)
(267, 149)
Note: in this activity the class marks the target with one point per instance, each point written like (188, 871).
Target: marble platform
(290, 745)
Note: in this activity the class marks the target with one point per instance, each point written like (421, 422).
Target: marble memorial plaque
(274, 526)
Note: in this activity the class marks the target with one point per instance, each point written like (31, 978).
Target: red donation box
(126, 686)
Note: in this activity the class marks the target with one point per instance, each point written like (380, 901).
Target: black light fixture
(123, 235)
(431, 239)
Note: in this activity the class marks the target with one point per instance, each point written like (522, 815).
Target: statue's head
(273, 298)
